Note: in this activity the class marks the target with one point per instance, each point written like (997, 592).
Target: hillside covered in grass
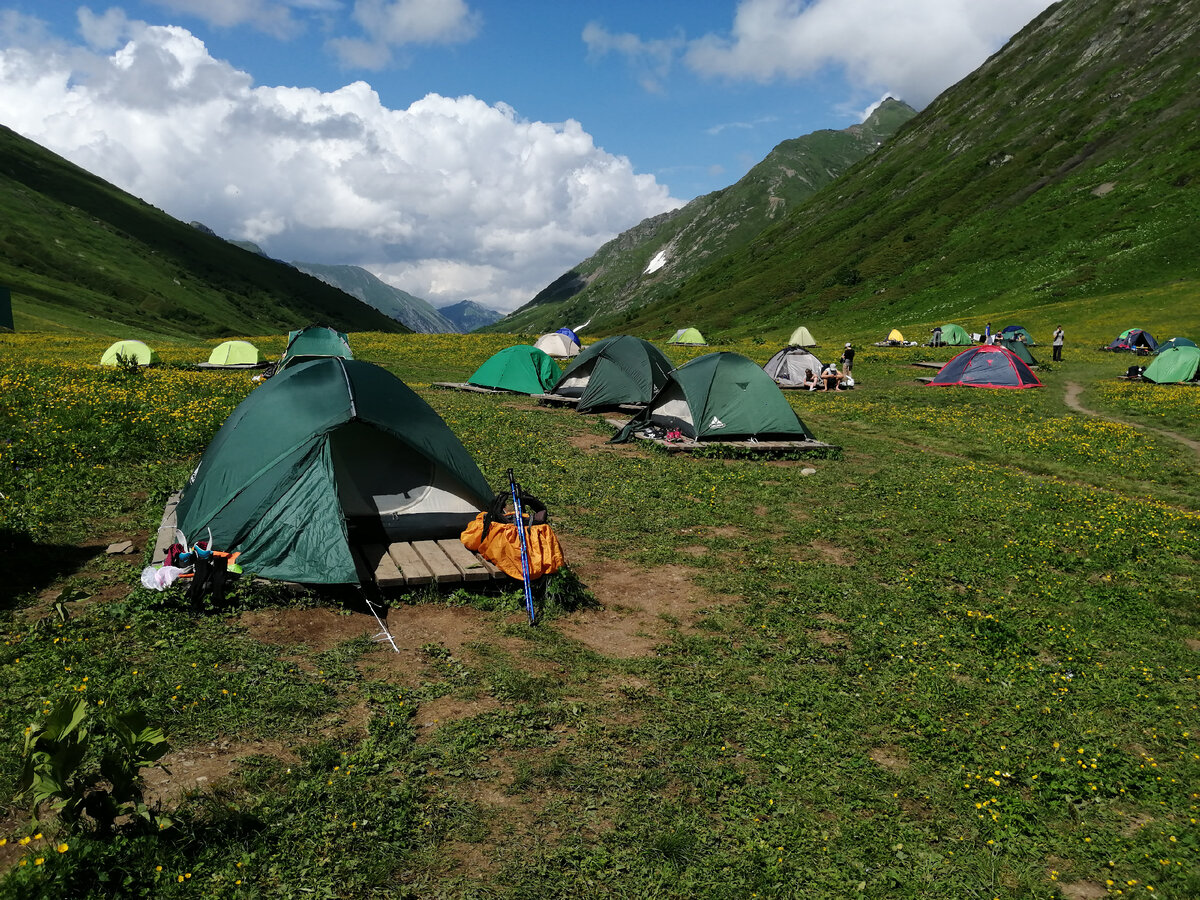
(1063, 168)
(79, 253)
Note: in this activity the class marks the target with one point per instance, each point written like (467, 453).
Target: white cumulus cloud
(449, 198)
(915, 49)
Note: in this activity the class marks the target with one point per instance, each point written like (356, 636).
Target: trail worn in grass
(959, 660)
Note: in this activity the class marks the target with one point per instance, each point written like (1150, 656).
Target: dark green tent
(1177, 365)
(314, 342)
(1019, 349)
(616, 370)
(524, 369)
(6, 313)
(1175, 342)
(325, 454)
(717, 397)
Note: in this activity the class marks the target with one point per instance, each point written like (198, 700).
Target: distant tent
(6, 314)
(558, 345)
(616, 370)
(1015, 332)
(788, 367)
(688, 336)
(1134, 340)
(571, 334)
(134, 350)
(1175, 366)
(234, 355)
(987, 365)
(522, 369)
(325, 455)
(1175, 342)
(720, 396)
(1019, 348)
(314, 342)
(802, 337)
(895, 335)
(955, 336)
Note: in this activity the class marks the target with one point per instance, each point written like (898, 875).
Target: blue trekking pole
(520, 516)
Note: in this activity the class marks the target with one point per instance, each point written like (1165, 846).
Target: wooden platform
(927, 378)
(930, 364)
(470, 388)
(560, 400)
(399, 564)
(753, 446)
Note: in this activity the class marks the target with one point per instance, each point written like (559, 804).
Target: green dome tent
(1016, 332)
(314, 342)
(522, 369)
(802, 337)
(720, 396)
(616, 370)
(955, 336)
(1174, 366)
(1019, 349)
(134, 350)
(234, 355)
(688, 336)
(1175, 342)
(325, 454)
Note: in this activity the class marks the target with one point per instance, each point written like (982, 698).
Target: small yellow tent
(895, 335)
(802, 337)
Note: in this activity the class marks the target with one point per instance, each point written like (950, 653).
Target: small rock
(808, 471)
(119, 547)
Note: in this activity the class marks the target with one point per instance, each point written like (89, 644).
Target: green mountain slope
(1067, 166)
(79, 253)
(399, 305)
(650, 260)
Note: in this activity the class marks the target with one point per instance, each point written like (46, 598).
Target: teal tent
(689, 336)
(1175, 342)
(1018, 333)
(1175, 366)
(234, 355)
(328, 454)
(314, 342)
(523, 369)
(616, 370)
(718, 397)
(135, 350)
(1019, 349)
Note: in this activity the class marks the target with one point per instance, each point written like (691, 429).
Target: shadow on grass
(27, 566)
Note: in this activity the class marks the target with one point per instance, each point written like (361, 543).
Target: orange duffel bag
(493, 535)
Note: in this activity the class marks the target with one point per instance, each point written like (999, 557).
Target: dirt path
(1074, 389)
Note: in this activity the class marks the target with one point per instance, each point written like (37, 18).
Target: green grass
(959, 660)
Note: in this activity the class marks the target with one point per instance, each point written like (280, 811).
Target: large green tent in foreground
(524, 369)
(616, 370)
(135, 350)
(721, 396)
(325, 454)
(1175, 366)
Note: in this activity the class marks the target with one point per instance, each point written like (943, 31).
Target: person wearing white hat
(848, 359)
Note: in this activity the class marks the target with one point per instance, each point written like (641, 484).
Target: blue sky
(460, 148)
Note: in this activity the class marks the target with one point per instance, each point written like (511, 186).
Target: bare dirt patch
(437, 712)
(828, 638)
(200, 767)
(1191, 643)
(1083, 890)
(590, 442)
(890, 757)
(832, 553)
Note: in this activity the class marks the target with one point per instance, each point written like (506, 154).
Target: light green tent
(956, 336)
(616, 370)
(135, 350)
(314, 342)
(720, 397)
(328, 454)
(234, 355)
(688, 336)
(1175, 366)
(523, 369)
(802, 337)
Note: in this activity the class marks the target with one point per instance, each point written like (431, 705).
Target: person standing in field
(1058, 343)
(848, 359)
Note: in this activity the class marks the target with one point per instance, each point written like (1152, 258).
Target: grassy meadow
(961, 659)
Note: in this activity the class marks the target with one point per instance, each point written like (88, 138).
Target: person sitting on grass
(832, 377)
(811, 381)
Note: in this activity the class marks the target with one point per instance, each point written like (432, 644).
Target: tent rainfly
(134, 350)
(1177, 365)
(616, 370)
(522, 369)
(314, 342)
(720, 397)
(987, 365)
(571, 334)
(789, 367)
(326, 454)
(234, 355)
(802, 337)
(558, 345)
(690, 336)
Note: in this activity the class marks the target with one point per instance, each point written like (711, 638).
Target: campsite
(956, 658)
